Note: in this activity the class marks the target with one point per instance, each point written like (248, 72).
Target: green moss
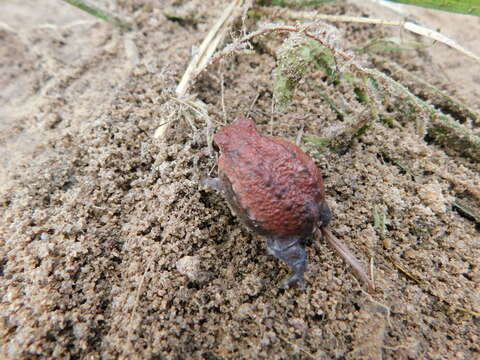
(295, 57)
(362, 96)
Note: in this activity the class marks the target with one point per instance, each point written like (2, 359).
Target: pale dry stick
(407, 25)
(204, 53)
(435, 35)
(8, 28)
(209, 135)
(208, 46)
(348, 257)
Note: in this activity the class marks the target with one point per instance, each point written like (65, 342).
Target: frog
(274, 188)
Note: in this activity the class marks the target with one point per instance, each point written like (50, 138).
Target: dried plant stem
(204, 53)
(409, 26)
(208, 46)
(348, 257)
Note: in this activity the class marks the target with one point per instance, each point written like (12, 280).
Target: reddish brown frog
(276, 190)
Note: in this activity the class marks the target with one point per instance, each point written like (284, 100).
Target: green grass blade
(99, 13)
(468, 7)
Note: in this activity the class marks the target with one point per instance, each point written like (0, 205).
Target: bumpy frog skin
(274, 188)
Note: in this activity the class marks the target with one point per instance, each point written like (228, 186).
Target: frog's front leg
(292, 252)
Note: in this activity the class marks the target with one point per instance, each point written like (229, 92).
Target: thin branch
(204, 53)
(348, 257)
(208, 46)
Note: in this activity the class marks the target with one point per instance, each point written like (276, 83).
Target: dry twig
(348, 257)
(204, 53)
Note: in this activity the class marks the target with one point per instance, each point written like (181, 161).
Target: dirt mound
(109, 248)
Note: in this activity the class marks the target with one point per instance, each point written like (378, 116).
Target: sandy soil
(110, 249)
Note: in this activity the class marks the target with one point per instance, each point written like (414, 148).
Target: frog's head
(236, 134)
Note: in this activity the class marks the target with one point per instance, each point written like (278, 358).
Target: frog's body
(274, 188)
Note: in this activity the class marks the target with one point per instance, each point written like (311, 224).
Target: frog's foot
(212, 183)
(293, 254)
